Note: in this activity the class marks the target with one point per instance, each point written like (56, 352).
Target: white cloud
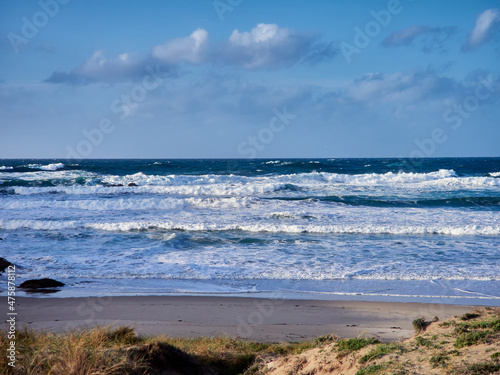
(98, 68)
(269, 46)
(485, 25)
(266, 46)
(260, 34)
(381, 90)
(191, 49)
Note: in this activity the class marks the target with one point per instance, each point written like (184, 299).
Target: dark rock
(41, 283)
(4, 263)
(133, 184)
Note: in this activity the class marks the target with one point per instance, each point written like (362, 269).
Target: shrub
(419, 325)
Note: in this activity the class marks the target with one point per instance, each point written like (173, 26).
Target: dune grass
(116, 351)
(106, 350)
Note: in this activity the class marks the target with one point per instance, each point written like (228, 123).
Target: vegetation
(349, 345)
(438, 360)
(102, 351)
(379, 351)
(422, 341)
(443, 348)
(469, 316)
(419, 325)
(486, 368)
(373, 369)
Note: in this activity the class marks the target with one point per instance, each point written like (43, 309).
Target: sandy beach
(247, 318)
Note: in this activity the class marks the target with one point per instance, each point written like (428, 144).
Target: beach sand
(247, 318)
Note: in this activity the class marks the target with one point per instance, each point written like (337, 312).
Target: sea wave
(190, 190)
(443, 177)
(364, 228)
(48, 167)
(241, 185)
(37, 224)
(119, 204)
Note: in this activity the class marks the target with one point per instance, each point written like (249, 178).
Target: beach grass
(106, 350)
(468, 344)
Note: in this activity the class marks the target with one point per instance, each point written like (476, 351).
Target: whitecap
(48, 167)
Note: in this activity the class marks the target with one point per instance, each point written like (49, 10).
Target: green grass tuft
(479, 369)
(472, 338)
(438, 360)
(357, 343)
(379, 351)
(373, 369)
(421, 341)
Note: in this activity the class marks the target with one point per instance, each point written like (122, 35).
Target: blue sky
(242, 78)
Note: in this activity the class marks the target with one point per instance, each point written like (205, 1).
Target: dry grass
(469, 344)
(106, 351)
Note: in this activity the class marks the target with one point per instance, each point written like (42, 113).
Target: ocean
(372, 229)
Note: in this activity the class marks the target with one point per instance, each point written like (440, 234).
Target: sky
(249, 78)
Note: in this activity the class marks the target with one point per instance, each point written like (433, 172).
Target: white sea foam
(48, 167)
(4, 168)
(389, 178)
(364, 228)
(191, 190)
(52, 175)
(128, 204)
(231, 185)
(36, 224)
(495, 174)
(293, 215)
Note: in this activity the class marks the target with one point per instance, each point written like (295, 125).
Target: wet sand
(247, 318)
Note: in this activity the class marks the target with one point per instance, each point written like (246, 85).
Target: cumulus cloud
(429, 39)
(266, 46)
(486, 23)
(191, 49)
(98, 68)
(269, 46)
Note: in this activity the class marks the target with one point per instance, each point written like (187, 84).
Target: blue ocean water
(323, 228)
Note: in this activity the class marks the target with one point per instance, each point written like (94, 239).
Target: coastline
(252, 319)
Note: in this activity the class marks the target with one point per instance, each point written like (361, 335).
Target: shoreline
(247, 318)
(475, 292)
